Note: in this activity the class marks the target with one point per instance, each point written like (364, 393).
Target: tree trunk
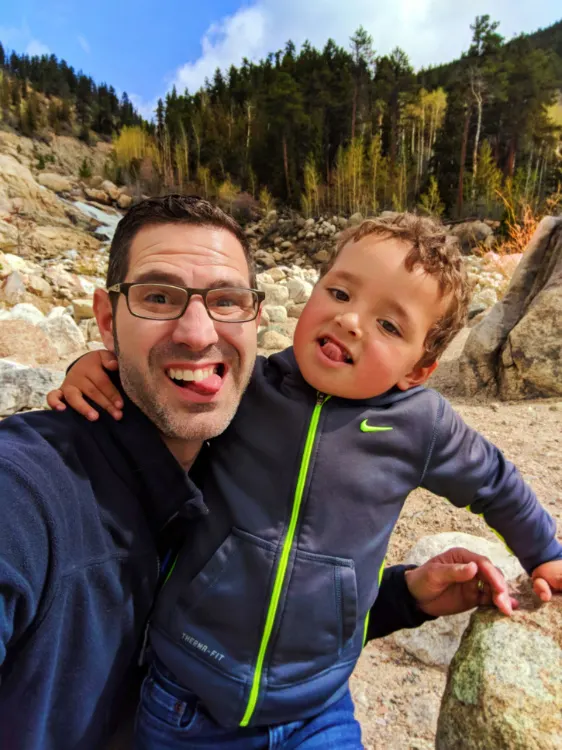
(286, 166)
(511, 156)
(460, 193)
(354, 111)
(477, 94)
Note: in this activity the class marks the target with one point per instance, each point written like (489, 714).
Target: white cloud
(37, 48)
(430, 31)
(20, 38)
(143, 107)
(83, 42)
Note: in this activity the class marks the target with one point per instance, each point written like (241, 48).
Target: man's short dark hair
(169, 209)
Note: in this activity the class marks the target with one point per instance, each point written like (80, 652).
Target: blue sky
(144, 47)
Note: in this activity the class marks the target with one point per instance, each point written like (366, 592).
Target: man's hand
(459, 580)
(546, 579)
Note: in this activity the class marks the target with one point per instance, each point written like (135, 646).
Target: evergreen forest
(338, 129)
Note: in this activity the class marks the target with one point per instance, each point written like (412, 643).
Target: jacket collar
(137, 453)
(283, 368)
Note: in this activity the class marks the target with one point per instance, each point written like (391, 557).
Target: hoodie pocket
(218, 616)
(318, 619)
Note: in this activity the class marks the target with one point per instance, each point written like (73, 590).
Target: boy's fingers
(542, 589)
(108, 360)
(109, 391)
(54, 400)
(74, 398)
(94, 393)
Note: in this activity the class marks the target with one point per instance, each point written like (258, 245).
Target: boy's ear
(417, 376)
(103, 310)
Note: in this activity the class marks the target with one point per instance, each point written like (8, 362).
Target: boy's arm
(472, 473)
(24, 555)
(87, 376)
(455, 581)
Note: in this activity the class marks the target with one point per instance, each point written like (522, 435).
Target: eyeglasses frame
(123, 288)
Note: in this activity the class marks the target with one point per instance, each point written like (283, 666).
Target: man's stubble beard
(188, 421)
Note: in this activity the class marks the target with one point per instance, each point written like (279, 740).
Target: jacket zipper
(321, 399)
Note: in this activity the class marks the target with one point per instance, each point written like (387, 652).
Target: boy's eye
(339, 295)
(389, 327)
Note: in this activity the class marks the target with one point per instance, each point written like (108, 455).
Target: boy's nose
(349, 321)
(195, 329)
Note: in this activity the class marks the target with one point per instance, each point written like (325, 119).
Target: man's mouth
(204, 380)
(335, 350)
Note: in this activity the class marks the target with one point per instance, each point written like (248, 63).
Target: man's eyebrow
(166, 277)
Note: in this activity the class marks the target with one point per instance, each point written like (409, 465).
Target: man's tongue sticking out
(208, 386)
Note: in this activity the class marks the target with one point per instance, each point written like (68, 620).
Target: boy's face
(363, 329)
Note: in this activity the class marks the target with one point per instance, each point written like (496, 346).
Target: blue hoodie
(264, 615)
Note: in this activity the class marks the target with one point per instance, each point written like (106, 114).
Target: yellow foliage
(266, 200)
(135, 144)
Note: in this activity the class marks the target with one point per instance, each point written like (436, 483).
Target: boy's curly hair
(434, 250)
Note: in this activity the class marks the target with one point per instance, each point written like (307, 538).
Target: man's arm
(456, 581)
(24, 557)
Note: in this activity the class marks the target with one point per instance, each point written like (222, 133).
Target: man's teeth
(191, 375)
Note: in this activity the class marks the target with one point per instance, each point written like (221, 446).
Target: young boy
(262, 617)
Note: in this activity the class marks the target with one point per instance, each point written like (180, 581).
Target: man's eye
(225, 302)
(339, 295)
(156, 299)
(389, 327)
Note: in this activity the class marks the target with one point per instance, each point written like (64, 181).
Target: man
(88, 510)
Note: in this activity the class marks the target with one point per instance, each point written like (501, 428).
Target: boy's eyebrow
(400, 310)
(346, 276)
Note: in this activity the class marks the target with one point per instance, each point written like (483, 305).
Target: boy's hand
(88, 378)
(456, 581)
(546, 579)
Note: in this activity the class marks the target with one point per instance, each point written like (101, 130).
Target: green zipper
(284, 559)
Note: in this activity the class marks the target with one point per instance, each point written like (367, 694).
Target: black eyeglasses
(169, 302)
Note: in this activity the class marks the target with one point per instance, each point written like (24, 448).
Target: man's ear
(103, 310)
(417, 376)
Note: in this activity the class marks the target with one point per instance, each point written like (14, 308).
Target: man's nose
(195, 329)
(350, 323)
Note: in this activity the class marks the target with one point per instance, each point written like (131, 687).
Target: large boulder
(275, 294)
(25, 343)
(111, 189)
(25, 387)
(99, 196)
(64, 335)
(20, 192)
(55, 182)
(504, 688)
(515, 352)
(436, 642)
(124, 201)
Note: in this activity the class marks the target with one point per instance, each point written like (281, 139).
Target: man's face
(364, 327)
(217, 357)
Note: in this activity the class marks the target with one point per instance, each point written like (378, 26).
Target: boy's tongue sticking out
(334, 351)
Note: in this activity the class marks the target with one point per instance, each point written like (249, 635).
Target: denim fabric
(170, 717)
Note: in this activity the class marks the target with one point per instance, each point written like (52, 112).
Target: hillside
(326, 130)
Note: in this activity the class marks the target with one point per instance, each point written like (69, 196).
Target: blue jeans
(170, 717)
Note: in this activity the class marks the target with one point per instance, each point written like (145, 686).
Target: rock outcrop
(436, 642)
(515, 352)
(504, 688)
